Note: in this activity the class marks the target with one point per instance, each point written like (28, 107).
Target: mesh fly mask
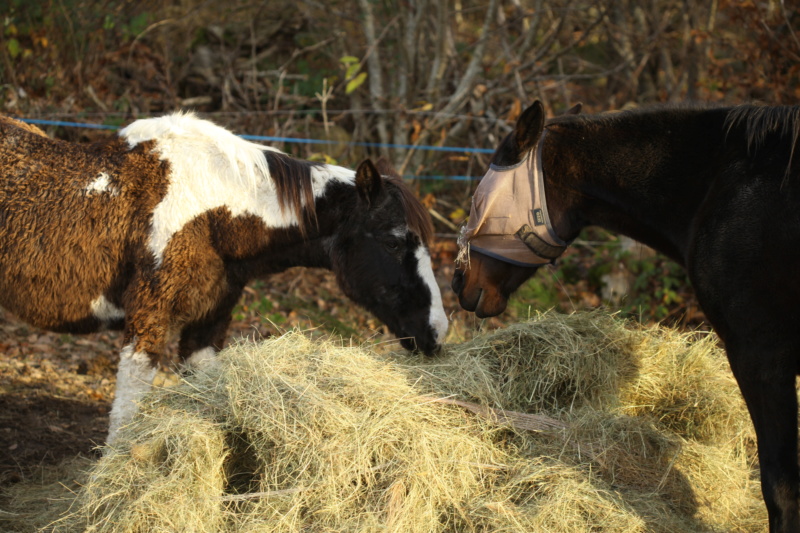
(508, 218)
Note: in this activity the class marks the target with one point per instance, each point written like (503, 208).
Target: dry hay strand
(291, 435)
(34, 504)
(553, 362)
(684, 381)
(563, 424)
(652, 411)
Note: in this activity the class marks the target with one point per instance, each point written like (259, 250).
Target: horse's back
(71, 215)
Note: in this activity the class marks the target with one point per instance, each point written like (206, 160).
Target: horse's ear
(369, 182)
(529, 127)
(574, 110)
(385, 167)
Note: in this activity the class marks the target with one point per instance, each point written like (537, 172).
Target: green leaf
(14, 48)
(355, 83)
(349, 60)
(351, 71)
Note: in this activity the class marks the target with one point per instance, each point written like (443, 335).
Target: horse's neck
(644, 180)
(267, 249)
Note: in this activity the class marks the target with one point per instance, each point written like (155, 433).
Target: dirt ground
(56, 390)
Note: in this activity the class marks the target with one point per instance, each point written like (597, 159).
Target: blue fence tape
(69, 124)
(300, 141)
(279, 139)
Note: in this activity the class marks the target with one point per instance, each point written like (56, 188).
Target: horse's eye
(393, 246)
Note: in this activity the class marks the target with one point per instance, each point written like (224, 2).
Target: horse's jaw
(484, 301)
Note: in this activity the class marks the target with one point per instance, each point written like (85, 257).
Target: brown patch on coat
(61, 248)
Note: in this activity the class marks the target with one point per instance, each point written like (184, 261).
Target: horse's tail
(24, 125)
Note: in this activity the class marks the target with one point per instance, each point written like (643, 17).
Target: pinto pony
(715, 189)
(158, 230)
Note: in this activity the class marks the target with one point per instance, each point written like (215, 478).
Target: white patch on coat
(437, 317)
(134, 378)
(105, 311)
(210, 168)
(101, 184)
(200, 359)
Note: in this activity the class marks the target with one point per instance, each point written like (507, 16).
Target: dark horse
(158, 230)
(715, 189)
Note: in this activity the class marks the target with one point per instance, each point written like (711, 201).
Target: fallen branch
(515, 419)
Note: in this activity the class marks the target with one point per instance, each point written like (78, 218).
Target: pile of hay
(560, 424)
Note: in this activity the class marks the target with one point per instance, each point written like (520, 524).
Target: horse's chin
(415, 334)
(491, 303)
(485, 301)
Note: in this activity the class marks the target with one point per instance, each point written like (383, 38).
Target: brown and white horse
(157, 231)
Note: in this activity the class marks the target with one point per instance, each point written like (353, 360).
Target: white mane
(210, 149)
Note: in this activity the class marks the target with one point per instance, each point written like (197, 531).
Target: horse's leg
(147, 324)
(137, 369)
(201, 340)
(768, 386)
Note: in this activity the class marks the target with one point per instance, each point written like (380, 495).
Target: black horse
(715, 189)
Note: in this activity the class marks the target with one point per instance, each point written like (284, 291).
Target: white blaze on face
(210, 167)
(437, 317)
(134, 378)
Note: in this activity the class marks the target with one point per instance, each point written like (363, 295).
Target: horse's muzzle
(458, 284)
(429, 348)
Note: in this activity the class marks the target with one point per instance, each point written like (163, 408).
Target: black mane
(613, 118)
(292, 178)
(759, 121)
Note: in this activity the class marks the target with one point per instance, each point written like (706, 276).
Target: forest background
(395, 78)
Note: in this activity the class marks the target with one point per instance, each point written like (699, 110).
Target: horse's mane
(292, 179)
(614, 117)
(417, 216)
(755, 121)
(759, 121)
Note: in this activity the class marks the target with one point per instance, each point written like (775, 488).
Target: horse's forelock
(417, 216)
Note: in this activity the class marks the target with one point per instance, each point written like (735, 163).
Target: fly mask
(508, 218)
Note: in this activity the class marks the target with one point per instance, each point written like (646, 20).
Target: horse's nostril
(458, 282)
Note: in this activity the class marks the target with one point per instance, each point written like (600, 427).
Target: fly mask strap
(538, 245)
